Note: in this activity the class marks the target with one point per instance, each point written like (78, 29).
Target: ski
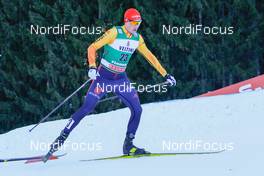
(53, 157)
(32, 159)
(153, 155)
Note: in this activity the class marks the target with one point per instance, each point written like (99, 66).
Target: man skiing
(119, 44)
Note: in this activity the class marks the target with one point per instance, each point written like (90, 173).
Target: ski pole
(57, 107)
(109, 98)
(103, 100)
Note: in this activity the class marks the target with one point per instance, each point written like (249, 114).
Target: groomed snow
(233, 122)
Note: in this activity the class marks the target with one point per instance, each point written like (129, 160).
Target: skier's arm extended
(108, 37)
(142, 48)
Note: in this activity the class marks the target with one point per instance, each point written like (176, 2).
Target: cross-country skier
(119, 44)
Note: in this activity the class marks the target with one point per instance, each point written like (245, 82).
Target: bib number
(124, 57)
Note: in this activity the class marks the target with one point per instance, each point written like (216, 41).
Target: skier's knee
(87, 108)
(138, 111)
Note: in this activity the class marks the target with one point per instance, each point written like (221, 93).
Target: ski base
(154, 155)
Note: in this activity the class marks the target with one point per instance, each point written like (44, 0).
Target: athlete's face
(132, 26)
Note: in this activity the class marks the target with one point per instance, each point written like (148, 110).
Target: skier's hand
(92, 73)
(171, 80)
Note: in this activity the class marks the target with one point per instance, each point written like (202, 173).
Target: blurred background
(38, 71)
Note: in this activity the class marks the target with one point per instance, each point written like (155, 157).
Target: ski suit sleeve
(142, 48)
(108, 37)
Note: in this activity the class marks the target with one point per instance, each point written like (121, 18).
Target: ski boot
(130, 149)
(55, 146)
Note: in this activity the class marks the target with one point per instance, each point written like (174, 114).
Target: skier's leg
(93, 95)
(130, 98)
